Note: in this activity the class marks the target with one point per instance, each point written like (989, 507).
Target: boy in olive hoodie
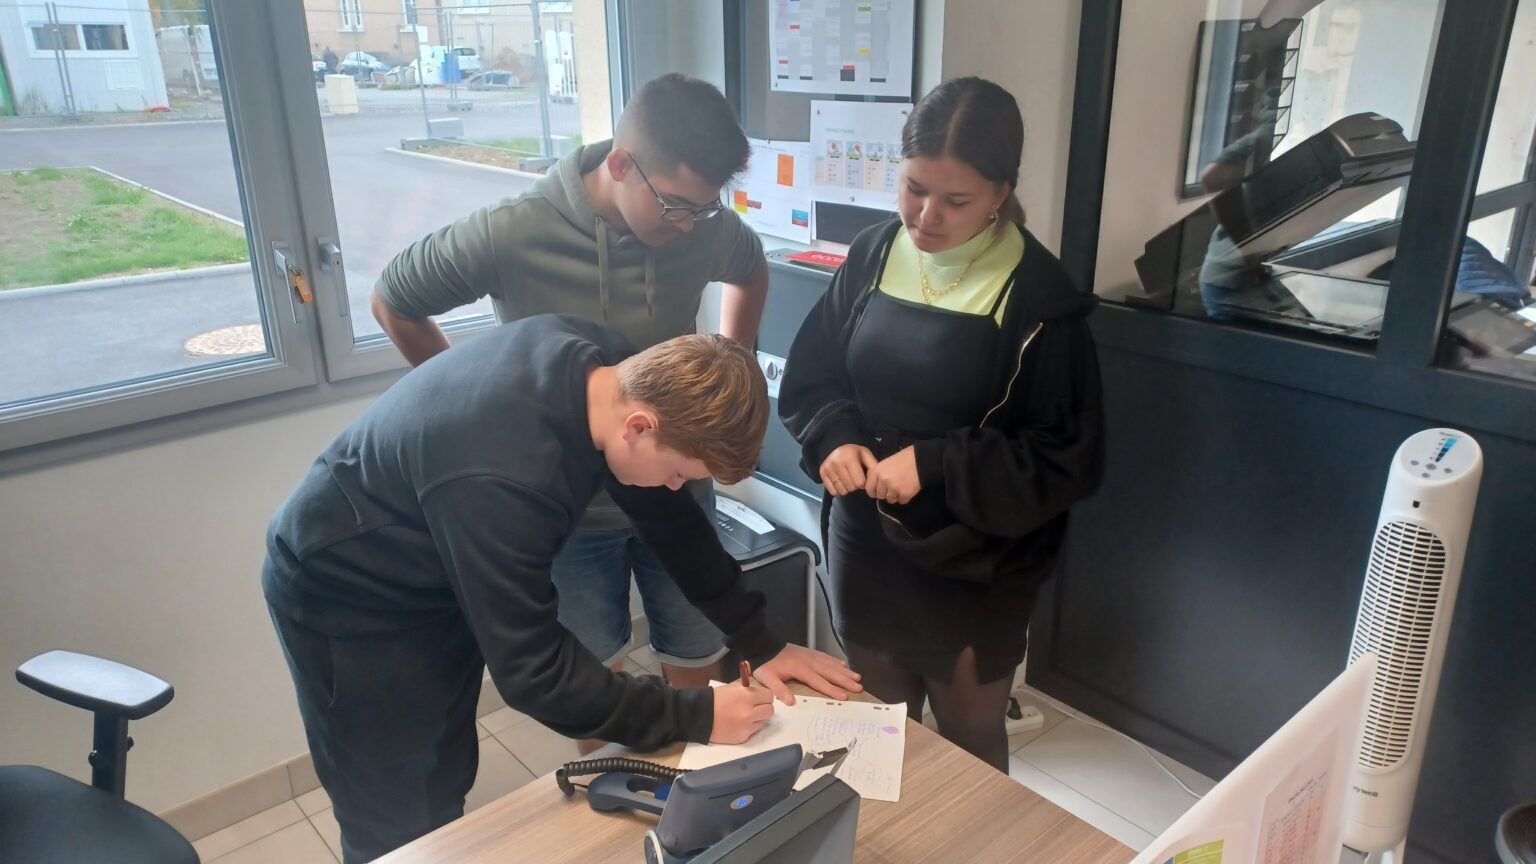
(625, 233)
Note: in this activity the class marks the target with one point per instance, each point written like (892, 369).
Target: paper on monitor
(873, 767)
(1285, 804)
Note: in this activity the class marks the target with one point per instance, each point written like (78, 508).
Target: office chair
(47, 818)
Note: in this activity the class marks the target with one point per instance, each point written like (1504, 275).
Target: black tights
(969, 713)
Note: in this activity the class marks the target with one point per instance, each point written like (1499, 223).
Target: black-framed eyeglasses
(672, 213)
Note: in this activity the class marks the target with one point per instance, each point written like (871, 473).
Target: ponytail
(1012, 210)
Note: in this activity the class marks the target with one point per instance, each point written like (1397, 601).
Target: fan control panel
(1438, 454)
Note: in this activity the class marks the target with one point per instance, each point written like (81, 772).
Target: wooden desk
(953, 808)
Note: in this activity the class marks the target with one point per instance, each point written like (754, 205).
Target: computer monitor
(1286, 802)
(813, 826)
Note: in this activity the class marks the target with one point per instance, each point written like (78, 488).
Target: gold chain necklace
(930, 295)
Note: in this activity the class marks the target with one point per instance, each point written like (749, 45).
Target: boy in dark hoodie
(416, 554)
(626, 233)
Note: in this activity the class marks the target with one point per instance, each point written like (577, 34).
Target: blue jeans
(592, 575)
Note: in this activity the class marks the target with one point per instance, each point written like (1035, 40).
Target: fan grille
(1397, 619)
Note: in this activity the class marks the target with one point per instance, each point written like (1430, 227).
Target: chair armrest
(94, 684)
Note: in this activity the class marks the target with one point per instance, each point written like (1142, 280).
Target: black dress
(932, 377)
(1006, 427)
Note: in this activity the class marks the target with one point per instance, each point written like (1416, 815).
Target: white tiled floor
(1093, 773)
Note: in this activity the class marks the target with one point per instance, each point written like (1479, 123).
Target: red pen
(746, 674)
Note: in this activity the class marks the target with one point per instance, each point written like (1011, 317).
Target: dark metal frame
(735, 56)
(109, 752)
(1401, 375)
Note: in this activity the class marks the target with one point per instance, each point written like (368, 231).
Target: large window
(351, 15)
(105, 37)
(74, 37)
(1259, 154)
(151, 268)
(52, 37)
(127, 279)
(1491, 320)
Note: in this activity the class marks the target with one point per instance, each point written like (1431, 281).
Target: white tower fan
(1405, 616)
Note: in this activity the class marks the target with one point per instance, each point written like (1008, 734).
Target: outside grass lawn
(73, 224)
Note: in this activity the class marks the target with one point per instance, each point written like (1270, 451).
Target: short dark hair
(678, 120)
(977, 122)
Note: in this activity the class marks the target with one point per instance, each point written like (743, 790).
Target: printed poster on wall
(857, 146)
(774, 194)
(842, 47)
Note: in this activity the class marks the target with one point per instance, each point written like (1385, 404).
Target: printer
(1220, 261)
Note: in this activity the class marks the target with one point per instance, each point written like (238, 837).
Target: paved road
(60, 342)
(384, 201)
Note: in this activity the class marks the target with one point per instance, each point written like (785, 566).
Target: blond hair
(710, 399)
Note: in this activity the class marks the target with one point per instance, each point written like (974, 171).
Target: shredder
(778, 562)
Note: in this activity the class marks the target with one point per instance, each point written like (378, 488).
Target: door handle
(295, 281)
(330, 262)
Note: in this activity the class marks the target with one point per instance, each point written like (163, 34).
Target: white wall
(152, 557)
(1509, 138)
(596, 102)
(1146, 137)
(678, 36)
(1029, 47)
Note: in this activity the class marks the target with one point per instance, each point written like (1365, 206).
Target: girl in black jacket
(945, 391)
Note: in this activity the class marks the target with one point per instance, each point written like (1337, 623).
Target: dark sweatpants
(391, 726)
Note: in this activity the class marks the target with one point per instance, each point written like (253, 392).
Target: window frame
(351, 12)
(38, 52)
(1402, 374)
(254, 109)
(81, 52)
(269, 94)
(85, 47)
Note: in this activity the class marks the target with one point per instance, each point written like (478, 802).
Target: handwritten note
(878, 734)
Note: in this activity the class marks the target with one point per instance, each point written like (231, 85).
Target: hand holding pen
(740, 711)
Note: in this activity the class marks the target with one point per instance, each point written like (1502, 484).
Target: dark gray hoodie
(549, 251)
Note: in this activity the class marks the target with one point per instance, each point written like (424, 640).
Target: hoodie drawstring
(650, 283)
(602, 265)
(602, 272)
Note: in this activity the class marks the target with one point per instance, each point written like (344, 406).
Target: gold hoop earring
(993, 217)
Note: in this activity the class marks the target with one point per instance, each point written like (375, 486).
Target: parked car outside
(360, 65)
(365, 59)
(469, 60)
